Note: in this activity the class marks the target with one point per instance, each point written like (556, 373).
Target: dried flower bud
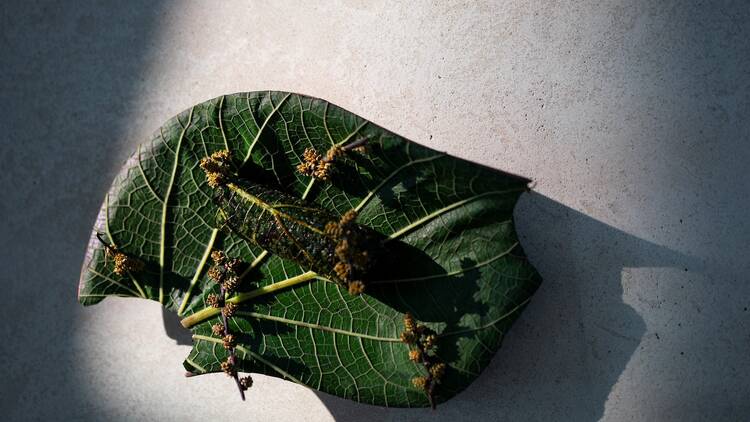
(221, 157)
(209, 165)
(348, 217)
(213, 301)
(216, 274)
(125, 264)
(311, 156)
(228, 368)
(409, 323)
(217, 329)
(334, 152)
(408, 337)
(233, 265)
(219, 257)
(430, 341)
(437, 371)
(216, 168)
(215, 179)
(415, 355)
(322, 170)
(342, 270)
(333, 229)
(306, 169)
(356, 288)
(419, 382)
(310, 161)
(231, 282)
(246, 382)
(229, 341)
(229, 309)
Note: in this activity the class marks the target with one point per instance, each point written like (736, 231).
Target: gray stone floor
(632, 118)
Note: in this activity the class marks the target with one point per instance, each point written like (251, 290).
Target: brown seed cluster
(246, 382)
(228, 368)
(217, 168)
(229, 309)
(318, 166)
(214, 301)
(350, 258)
(229, 341)
(356, 287)
(224, 271)
(422, 343)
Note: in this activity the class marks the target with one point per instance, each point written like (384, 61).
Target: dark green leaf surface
(453, 260)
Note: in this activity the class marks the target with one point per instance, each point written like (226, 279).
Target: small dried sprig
(224, 272)
(422, 344)
(124, 264)
(347, 253)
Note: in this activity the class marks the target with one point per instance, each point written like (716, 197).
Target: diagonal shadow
(573, 340)
(68, 76)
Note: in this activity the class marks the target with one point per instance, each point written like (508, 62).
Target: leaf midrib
(165, 206)
(318, 327)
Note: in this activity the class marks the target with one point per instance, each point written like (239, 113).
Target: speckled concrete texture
(631, 117)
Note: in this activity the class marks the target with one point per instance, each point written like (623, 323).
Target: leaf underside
(454, 261)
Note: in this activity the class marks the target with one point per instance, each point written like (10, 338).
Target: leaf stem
(209, 312)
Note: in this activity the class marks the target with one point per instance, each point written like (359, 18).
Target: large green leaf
(455, 262)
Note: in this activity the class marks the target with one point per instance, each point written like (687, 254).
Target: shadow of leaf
(574, 339)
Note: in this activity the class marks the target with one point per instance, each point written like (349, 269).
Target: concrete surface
(632, 117)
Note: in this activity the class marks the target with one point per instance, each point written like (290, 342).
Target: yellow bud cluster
(217, 168)
(125, 264)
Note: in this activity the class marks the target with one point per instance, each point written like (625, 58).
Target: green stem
(207, 313)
